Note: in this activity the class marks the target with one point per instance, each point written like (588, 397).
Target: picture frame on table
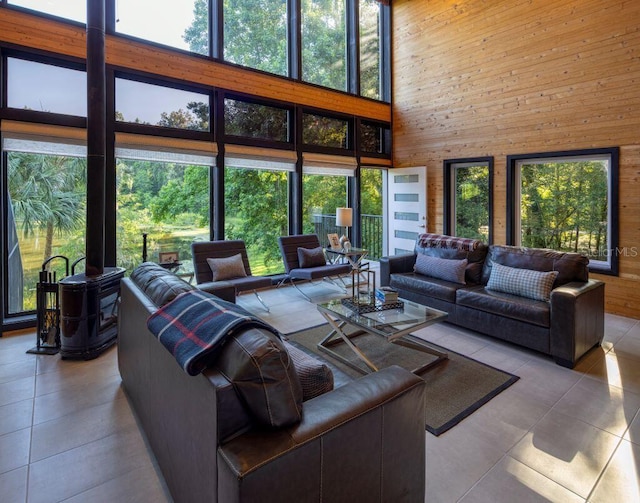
(168, 257)
(334, 241)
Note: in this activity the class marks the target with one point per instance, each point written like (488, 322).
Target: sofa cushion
(435, 267)
(449, 247)
(524, 282)
(515, 307)
(261, 370)
(159, 284)
(316, 378)
(227, 267)
(311, 257)
(424, 285)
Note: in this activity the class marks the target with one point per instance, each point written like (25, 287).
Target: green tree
(47, 193)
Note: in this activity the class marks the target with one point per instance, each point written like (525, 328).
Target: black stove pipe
(96, 137)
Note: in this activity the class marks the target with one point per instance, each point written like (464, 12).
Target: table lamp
(344, 218)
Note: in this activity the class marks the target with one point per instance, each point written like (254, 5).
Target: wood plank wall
(491, 78)
(29, 31)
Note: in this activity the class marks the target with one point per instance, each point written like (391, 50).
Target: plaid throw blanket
(195, 325)
(442, 241)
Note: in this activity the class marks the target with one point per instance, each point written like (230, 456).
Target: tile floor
(67, 432)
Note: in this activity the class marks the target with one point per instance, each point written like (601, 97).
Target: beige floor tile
(19, 370)
(628, 346)
(13, 485)
(75, 398)
(14, 450)
(507, 418)
(621, 480)
(633, 433)
(143, 485)
(503, 357)
(15, 416)
(544, 381)
(615, 327)
(510, 481)
(618, 371)
(75, 471)
(566, 450)
(456, 460)
(15, 391)
(87, 425)
(601, 405)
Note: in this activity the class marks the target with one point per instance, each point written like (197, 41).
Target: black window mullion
(294, 38)
(353, 47)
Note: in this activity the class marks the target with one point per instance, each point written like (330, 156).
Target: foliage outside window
(321, 195)
(47, 197)
(374, 138)
(324, 35)
(325, 131)
(371, 220)
(65, 91)
(567, 202)
(370, 49)
(252, 120)
(167, 201)
(468, 201)
(76, 10)
(183, 24)
(151, 104)
(255, 34)
(256, 211)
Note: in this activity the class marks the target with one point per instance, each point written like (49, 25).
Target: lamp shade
(344, 217)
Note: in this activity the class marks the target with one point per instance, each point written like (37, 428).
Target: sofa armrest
(364, 441)
(395, 264)
(577, 320)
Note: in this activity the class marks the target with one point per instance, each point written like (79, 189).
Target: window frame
(449, 193)
(611, 266)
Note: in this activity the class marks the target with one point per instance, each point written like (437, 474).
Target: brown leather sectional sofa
(363, 441)
(566, 326)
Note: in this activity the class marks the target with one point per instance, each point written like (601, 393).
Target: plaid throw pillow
(523, 282)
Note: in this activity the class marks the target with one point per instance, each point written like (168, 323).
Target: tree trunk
(48, 244)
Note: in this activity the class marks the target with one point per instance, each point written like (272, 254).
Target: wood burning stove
(89, 313)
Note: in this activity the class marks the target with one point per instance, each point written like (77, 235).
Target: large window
(325, 131)
(183, 24)
(370, 82)
(468, 189)
(255, 34)
(253, 120)
(566, 201)
(65, 91)
(256, 211)
(156, 105)
(163, 194)
(46, 203)
(324, 37)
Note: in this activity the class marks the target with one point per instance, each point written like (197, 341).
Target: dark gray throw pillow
(311, 257)
(441, 268)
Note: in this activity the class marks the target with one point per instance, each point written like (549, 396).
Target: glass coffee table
(395, 325)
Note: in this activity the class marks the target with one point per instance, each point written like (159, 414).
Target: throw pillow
(227, 267)
(311, 257)
(262, 372)
(528, 283)
(441, 268)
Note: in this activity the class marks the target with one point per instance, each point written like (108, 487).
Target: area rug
(456, 387)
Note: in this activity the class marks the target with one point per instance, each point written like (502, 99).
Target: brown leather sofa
(363, 441)
(566, 326)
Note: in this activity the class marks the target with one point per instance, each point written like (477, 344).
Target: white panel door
(407, 206)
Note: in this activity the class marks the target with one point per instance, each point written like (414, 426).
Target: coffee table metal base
(338, 336)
